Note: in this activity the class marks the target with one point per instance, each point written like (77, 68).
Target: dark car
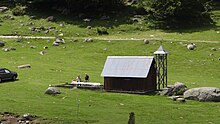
(6, 74)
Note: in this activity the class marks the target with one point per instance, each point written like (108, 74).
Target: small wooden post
(131, 118)
(78, 103)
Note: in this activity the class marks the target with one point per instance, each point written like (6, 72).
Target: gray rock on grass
(176, 89)
(52, 91)
(88, 40)
(51, 19)
(24, 66)
(203, 94)
(3, 8)
(146, 41)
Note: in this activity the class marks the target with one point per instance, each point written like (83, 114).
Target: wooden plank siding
(132, 84)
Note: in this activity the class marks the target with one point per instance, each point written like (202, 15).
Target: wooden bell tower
(161, 67)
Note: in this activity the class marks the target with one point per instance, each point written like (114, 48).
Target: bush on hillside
(178, 13)
(19, 10)
(102, 31)
(75, 6)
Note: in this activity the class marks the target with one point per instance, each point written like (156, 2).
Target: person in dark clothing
(86, 77)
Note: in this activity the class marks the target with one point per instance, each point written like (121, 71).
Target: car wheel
(0, 80)
(14, 78)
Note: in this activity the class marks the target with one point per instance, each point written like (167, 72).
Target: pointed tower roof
(161, 51)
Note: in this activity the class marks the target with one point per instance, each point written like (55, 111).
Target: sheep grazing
(191, 46)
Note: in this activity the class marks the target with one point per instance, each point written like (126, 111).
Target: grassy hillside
(63, 63)
(196, 68)
(120, 25)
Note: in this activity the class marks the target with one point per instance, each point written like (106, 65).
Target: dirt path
(158, 39)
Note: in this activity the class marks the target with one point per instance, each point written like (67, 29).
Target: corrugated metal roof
(127, 66)
(161, 50)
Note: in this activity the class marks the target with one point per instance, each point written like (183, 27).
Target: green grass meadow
(60, 64)
(63, 63)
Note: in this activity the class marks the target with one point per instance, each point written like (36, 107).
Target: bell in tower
(161, 67)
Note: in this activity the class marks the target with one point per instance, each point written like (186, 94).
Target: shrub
(102, 31)
(172, 13)
(19, 10)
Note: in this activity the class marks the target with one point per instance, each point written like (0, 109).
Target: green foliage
(102, 31)
(179, 12)
(73, 6)
(19, 10)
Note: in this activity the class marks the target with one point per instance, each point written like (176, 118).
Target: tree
(75, 5)
(179, 12)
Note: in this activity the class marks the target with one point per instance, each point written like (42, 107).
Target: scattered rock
(61, 35)
(191, 46)
(24, 66)
(213, 49)
(203, 94)
(74, 40)
(52, 91)
(89, 27)
(32, 17)
(46, 32)
(2, 44)
(6, 49)
(52, 28)
(43, 52)
(88, 40)
(105, 17)
(12, 48)
(59, 41)
(166, 91)
(55, 44)
(28, 116)
(3, 8)
(45, 47)
(174, 98)
(87, 20)
(33, 47)
(176, 89)
(51, 19)
(32, 28)
(29, 23)
(180, 100)
(61, 25)
(146, 41)
(179, 88)
(121, 104)
(11, 118)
